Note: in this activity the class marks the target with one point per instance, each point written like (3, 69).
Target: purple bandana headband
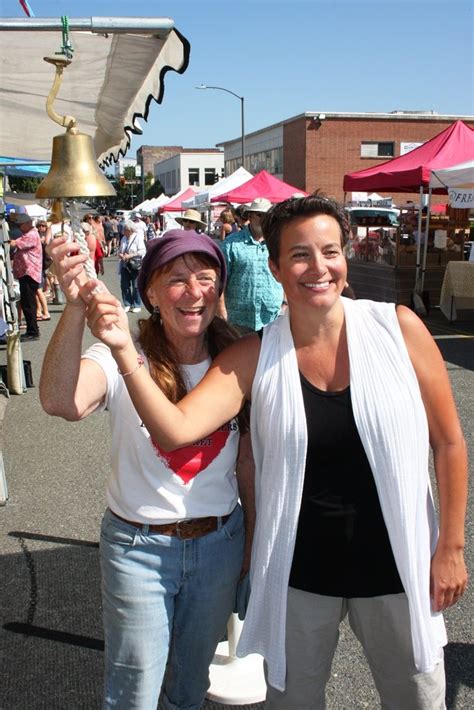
(175, 243)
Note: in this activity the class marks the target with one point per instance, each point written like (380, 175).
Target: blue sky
(291, 56)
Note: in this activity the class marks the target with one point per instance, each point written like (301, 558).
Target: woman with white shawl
(347, 397)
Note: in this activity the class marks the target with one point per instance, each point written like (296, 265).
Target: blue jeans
(128, 286)
(166, 603)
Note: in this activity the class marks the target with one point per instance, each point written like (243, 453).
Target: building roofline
(394, 115)
(180, 149)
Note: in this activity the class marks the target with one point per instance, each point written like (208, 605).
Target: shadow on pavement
(51, 625)
(52, 628)
(459, 662)
(458, 351)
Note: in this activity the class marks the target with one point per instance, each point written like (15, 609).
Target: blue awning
(22, 167)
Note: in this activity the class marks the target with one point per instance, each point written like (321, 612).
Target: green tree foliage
(24, 184)
(152, 189)
(123, 197)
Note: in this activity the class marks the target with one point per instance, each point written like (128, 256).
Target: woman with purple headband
(173, 545)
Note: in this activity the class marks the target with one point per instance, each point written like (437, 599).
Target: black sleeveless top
(342, 546)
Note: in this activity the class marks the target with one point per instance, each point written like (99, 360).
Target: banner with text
(461, 198)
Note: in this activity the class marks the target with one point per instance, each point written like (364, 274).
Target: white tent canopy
(35, 210)
(143, 207)
(108, 86)
(203, 199)
(459, 183)
(461, 175)
(152, 205)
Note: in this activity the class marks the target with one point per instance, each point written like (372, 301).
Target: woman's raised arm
(214, 401)
(70, 387)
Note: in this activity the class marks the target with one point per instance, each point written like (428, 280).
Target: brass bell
(74, 171)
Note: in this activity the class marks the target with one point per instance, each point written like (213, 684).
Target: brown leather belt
(184, 529)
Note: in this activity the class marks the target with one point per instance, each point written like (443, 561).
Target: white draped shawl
(392, 424)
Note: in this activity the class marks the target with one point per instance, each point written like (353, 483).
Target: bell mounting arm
(68, 122)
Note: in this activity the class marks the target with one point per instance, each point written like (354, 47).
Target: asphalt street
(51, 646)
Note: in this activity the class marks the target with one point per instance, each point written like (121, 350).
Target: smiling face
(311, 268)
(186, 290)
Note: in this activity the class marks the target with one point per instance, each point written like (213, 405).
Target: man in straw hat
(252, 296)
(191, 219)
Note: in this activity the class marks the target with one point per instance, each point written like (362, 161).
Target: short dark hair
(281, 214)
(241, 211)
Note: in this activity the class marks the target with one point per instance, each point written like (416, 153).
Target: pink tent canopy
(262, 185)
(409, 172)
(176, 205)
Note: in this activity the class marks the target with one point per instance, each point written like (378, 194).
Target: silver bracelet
(140, 362)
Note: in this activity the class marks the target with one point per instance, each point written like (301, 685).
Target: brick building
(148, 155)
(315, 150)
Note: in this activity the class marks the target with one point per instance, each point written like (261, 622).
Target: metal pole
(241, 99)
(418, 245)
(159, 26)
(425, 245)
(243, 129)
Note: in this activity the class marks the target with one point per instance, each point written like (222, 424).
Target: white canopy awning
(203, 199)
(459, 183)
(107, 88)
(461, 175)
(152, 205)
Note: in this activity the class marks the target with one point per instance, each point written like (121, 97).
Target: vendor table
(457, 292)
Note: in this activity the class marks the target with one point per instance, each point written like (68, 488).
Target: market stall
(457, 292)
(202, 200)
(175, 204)
(403, 262)
(262, 185)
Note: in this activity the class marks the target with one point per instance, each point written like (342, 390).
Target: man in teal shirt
(252, 296)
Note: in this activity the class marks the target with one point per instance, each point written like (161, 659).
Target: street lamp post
(241, 99)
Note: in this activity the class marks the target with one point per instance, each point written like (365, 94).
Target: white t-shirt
(140, 226)
(148, 485)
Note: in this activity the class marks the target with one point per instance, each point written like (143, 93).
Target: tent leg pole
(418, 241)
(425, 245)
(15, 374)
(418, 304)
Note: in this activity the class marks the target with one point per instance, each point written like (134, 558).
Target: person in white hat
(252, 297)
(140, 226)
(191, 219)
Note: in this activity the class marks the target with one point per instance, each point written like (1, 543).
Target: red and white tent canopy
(176, 202)
(262, 185)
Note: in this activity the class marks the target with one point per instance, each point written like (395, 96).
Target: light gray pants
(381, 624)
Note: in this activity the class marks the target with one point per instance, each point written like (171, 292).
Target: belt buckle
(180, 528)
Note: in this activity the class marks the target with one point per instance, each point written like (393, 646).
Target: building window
(209, 176)
(371, 149)
(193, 174)
(270, 160)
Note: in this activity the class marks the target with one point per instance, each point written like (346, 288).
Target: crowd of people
(261, 420)
(106, 236)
